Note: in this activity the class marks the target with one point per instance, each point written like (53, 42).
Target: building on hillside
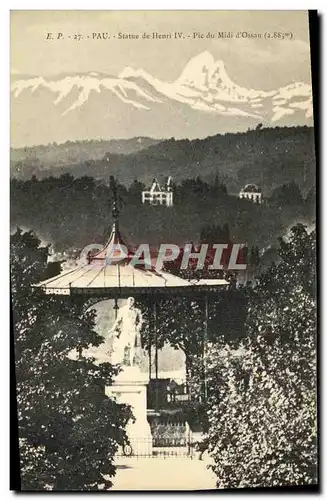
(251, 192)
(158, 195)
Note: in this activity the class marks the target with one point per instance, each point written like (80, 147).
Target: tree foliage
(287, 194)
(69, 430)
(262, 389)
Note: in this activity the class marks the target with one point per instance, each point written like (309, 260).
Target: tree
(288, 194)
(262, 390)
(311, 197)
(135, 192)
(69, 430)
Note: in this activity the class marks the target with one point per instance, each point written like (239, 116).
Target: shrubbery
(262, 389)
(69, 430)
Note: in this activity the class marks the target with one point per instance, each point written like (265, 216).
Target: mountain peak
(205, 58)
(200, 69)
(200, 62)
(129, 72)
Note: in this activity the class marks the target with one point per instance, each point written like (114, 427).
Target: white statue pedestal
(130, 387)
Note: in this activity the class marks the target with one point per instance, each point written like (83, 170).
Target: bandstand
(98, 279)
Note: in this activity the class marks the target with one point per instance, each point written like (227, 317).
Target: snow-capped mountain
(201, 101)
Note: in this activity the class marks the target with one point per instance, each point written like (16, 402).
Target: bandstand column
(156, 351)
(149, 352)
(116, 307)
(205, 340)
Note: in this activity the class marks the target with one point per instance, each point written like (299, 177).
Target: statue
(127, 338)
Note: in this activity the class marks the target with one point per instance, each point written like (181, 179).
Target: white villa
(158, 195)
(252, 193)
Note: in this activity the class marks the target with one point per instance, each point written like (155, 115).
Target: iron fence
(158, 448)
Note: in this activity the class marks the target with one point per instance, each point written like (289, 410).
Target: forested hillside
(48, 157)
(71, 213)
(269, 157)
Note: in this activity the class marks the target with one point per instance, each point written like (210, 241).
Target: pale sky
(257, 63)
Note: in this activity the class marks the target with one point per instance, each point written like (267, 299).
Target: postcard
(163, 250)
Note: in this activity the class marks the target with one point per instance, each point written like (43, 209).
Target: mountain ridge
(201, 98)
(81, 150)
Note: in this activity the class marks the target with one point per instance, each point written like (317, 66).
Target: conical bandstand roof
(114, 278)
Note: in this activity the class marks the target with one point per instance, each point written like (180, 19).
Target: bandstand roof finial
(115, 208)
